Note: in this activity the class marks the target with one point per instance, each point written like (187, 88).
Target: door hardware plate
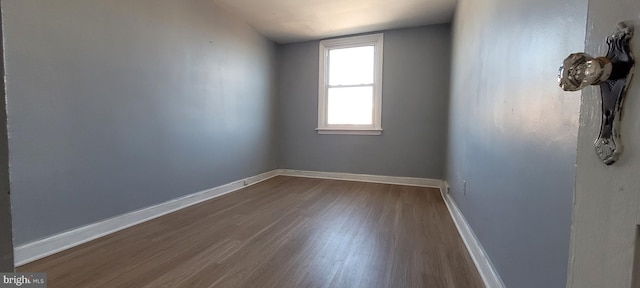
(612, 91)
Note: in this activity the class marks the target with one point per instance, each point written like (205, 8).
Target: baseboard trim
(32, 251)
(409, 181)
(489, 275)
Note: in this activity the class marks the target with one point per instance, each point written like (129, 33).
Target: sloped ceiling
(287, 21)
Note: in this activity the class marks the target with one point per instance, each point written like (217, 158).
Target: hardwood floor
(284, 232)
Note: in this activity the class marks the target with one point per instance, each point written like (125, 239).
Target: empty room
(299, 143)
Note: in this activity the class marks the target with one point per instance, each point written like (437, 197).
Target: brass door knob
(580, 70)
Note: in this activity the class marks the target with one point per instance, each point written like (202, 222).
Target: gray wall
(118, 105)
(513, 132)
(414, 109)
(6, 238)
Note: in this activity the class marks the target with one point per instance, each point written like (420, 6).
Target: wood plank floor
(283, 232)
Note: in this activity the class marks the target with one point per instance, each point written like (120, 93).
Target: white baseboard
(409, 181)
(42, 248)
(489, 275)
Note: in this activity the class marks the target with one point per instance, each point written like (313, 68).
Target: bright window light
(351, 66)
(350, 105)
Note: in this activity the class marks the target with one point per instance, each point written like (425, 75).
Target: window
(350, 85)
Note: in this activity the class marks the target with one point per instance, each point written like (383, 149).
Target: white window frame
(375, 40)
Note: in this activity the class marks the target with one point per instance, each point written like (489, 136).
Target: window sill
(373, 132)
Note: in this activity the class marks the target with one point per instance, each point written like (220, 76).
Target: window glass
(351, 66)
(350, 105)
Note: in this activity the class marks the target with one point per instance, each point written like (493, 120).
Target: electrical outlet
(464, 187)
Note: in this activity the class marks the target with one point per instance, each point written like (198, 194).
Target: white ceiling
(286, 21)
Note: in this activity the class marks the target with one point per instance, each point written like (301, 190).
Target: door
(606, 211)
(6, 240)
